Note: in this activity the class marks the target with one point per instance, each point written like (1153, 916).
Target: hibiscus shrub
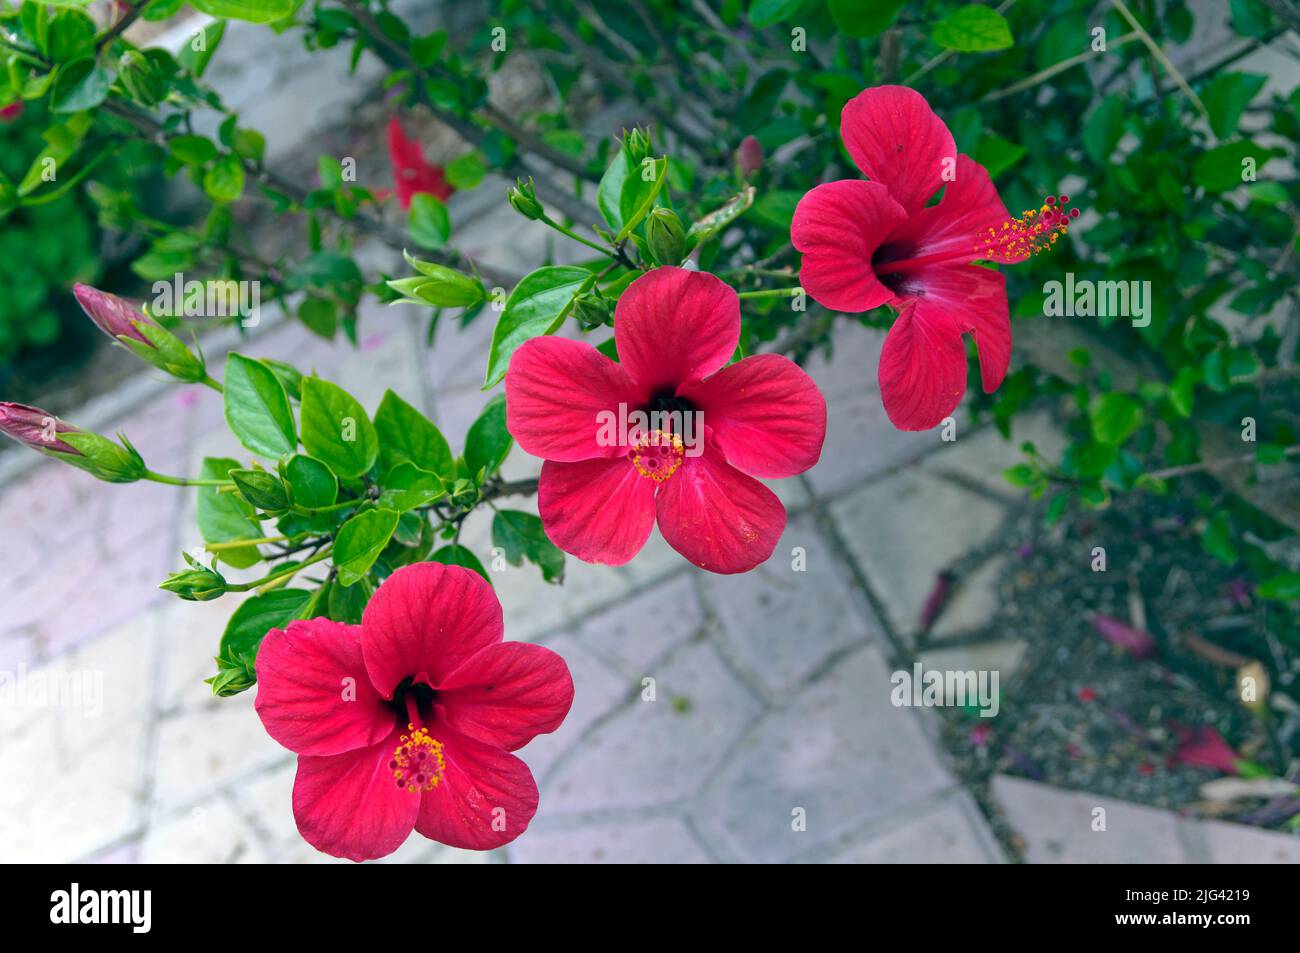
(931, 170)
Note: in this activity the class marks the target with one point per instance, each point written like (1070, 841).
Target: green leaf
(1224, 167)
(224, 182)
(192, 150)
(336, 430)
(638, 196)
(1227, 97)
(79, 86)
(521, 536)
(406, 486)
(254, 618)
(997, 154)
(405, 434)
(776, 208)
(538, 305)
(225, 517)
(766, 12)
(360, 541)
(1216, 539)
(257, 408)
(312, 484)
(973, 29)
(254, 11)
(467, 171)
(864, 17)
(1103, 128)
(198, 50)
(263, 490)
(488, 441)
(1284, 587)
(428, 221)
(457, 555)
(320, 315)
(1114, 418)
(610, 191)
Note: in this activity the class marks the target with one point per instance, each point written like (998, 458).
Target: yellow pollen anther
(658, 455)
(418, 764)
(1034, 232)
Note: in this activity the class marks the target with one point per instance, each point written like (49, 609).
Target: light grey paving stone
(1056, 826)
(973, 601)
(200, 750)
(656, 560)
(596, 691)
(1239, 844)
(1003, 657)
(656, 752)
(860, 440)
(982, 456)
(840, 752)
(658, 841)
(783, 624)
(646, 626)
(209, 833)
(73, 736)
(907, 528)
(191, 639)
(949, 832)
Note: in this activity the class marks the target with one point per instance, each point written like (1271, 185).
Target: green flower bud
(439, 286)
(524, 199)
(196, 584)
(665, 236)
(140, 334)
(593, 311)
(45, 433)
(141, 79)
(637, 144)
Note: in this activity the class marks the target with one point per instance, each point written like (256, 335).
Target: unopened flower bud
(637, 144)
(593, 311)
(665, 236)
(524, 199)
(196, 584)
(45, 433)
(139, 334)
(749, 157)
(141, 78)
(439, 286)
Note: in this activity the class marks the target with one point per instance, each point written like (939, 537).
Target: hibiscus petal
(838, 227)
(960, 222)
(426, 619)
(487, 796)
(349, 805)
(313, 693)
(766, 414)
(976, 300)
(507, 694)
(717, 517)
(601, 511)
(556, 390)
(672, 325)
(896, 139)
(922, 368)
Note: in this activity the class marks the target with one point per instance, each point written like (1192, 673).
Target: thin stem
(1045, 74)
(184, 481)
(547, 220)
(121, 26)
(284, 572)
(210, 381)
(1213, 464)
(1159, 54)
(772, 293)
(236, 544)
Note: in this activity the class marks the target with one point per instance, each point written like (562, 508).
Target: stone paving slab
(950, 830)
(657, 841)
(840, 752)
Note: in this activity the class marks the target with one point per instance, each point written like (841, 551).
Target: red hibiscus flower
(412, 173)
(408, 720)
(865, 244)
(599, 498)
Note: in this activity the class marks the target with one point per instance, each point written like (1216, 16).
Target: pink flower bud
(749, 156)
(1137, 642)
(11, 112)
(35, 428)
(1204, 747)
(111, 314)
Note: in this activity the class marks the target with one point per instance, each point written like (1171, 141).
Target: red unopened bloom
(1205, 748)
(1137, 642)
(408, 720)
(412, 173)
(866, 244)
(599, 497)
(36, 428)
(11, 112)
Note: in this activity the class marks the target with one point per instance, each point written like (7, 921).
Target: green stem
(184, 481)
(547, 220)
(238, 543)
(210, 381)
(772, 293)
(284, 573)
